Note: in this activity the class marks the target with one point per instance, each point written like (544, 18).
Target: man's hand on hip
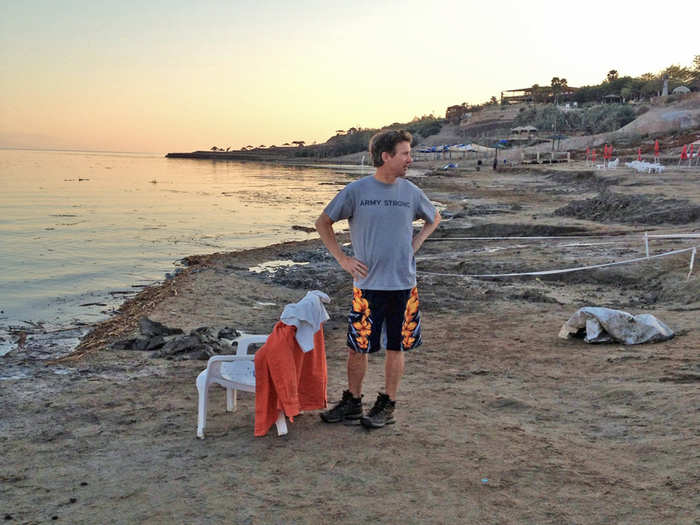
(354, 267)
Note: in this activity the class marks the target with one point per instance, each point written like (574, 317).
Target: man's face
(401, 160)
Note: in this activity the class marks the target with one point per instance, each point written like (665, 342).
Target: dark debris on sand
(633, 209)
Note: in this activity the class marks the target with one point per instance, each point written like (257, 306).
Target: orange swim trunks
(394, 314)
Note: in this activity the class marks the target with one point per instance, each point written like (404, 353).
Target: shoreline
(94, 286)
(124, 317)
(32, 337)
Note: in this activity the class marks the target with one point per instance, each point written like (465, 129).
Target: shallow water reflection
(78, 225)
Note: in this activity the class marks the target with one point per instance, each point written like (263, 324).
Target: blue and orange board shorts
(384, 318)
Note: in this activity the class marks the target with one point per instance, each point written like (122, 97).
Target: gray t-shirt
(380, 217)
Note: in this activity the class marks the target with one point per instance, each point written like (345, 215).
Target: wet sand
(498, 420)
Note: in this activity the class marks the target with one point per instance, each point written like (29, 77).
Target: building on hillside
(612, 99)
(536, 94)
(523, 131)
(680, 90)
(455, 113)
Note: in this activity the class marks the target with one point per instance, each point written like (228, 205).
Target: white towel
(307, 315)
(605, 325)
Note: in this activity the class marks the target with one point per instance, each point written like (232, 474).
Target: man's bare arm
(426, 230)
(324, 227)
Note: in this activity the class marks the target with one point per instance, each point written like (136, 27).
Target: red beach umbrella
(691, 152)
(610, 151)
(639, 153)
(656, 148)
(684, 153)
(605, 152)
(593, 154)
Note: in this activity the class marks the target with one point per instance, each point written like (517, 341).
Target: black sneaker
(382, 413)
(348, 409)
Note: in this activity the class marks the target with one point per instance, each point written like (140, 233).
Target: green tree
(678, 74)
(652, 87)
(558, 86)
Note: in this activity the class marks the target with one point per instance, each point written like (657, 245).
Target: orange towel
(288, 379)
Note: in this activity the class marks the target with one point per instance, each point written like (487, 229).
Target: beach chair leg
(281, 424)
(203, 391)
(229, 400)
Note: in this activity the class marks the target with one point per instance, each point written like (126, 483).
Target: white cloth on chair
(307, 315)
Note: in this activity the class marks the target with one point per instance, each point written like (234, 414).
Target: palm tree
(558, 85)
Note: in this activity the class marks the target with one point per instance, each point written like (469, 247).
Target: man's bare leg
(393, 371)
(357, 367)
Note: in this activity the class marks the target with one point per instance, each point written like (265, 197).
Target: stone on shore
(172, 343)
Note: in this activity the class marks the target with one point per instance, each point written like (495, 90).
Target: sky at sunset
(159, 76)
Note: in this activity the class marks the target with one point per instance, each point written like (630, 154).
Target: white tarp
(605, 325)
(455, 147)
(461, 147)
(484, 149)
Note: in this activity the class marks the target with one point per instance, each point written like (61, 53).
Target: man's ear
(386, 156)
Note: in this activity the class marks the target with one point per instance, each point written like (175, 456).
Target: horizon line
(76, 150)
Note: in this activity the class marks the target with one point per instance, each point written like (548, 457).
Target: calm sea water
(79, 228)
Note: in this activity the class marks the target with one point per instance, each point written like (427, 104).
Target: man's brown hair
(386, 141)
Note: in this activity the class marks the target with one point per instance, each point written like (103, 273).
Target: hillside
(678, 117)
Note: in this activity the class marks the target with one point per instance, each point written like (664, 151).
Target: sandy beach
(498, 419)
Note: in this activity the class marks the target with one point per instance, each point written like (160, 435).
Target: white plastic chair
(233, 372)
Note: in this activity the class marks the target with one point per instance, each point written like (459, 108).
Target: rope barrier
(554, 237)
(576, 269)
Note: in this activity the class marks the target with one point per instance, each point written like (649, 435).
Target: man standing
(380, 209)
